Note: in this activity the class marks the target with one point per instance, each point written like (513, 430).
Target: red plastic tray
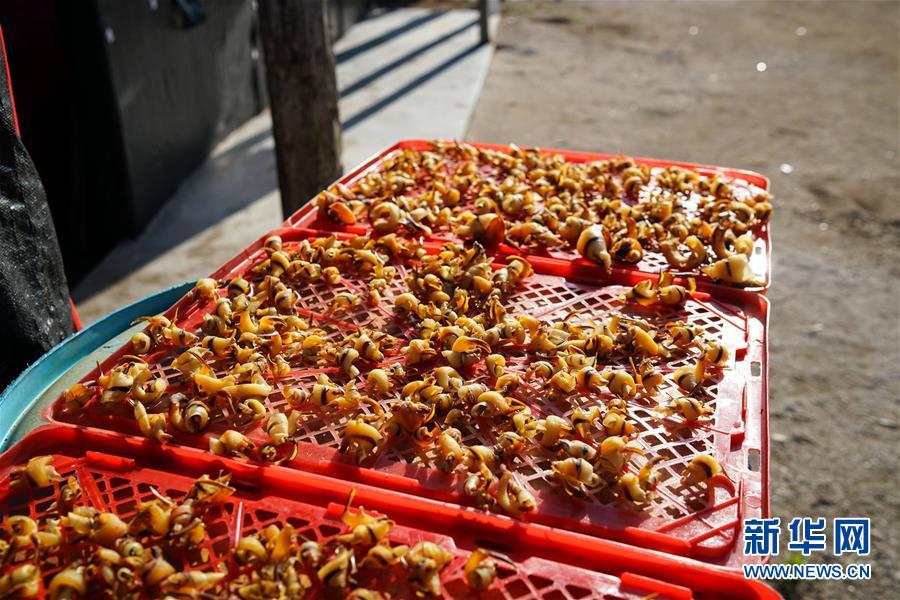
(679, 522)
(119, 471)
(652, 263)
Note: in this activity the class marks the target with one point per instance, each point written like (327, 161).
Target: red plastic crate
(653, 261)
(118, 472)
(678, 523)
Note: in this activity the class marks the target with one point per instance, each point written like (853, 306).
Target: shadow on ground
(394, 72)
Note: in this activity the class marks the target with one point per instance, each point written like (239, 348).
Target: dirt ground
(806, 93)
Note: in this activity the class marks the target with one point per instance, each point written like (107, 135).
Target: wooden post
(483, 13)
(303, 96)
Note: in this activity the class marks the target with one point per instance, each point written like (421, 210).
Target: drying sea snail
(592, 245)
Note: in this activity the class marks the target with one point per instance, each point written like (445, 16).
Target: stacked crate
(683, 541)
